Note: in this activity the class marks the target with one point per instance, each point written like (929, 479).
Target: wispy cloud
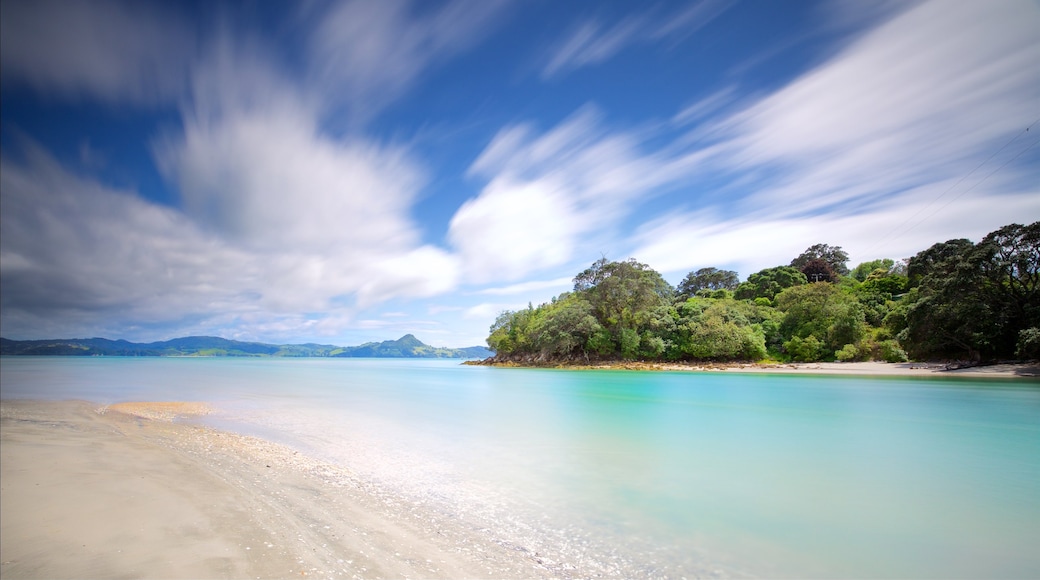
(885, 126)
(835, 156)
(368, 53)
(896, 107)
(591, 42)
(525, 287)
(116, 52)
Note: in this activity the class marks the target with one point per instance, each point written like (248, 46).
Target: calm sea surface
(686, 473)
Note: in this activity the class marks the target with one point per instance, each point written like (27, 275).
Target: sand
(132, 491)
(1017, 370)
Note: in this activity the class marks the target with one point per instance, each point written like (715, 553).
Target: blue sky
(340, 172)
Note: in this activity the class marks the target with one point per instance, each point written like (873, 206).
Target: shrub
(847, 353)
(807, 349)
(889, 351)
(1028, 343)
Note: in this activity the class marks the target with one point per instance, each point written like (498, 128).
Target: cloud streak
(591, 43)
(369, 53)
(116, 52)
(887, 125)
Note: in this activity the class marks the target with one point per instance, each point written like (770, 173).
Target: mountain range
(405, 347)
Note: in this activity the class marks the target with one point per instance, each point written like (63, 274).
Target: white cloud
(77, 254)
(847, 152)
(694, 17)
(531, 286)
(591, 43)
(330, 215)
(916, 99)
(548, 194)
(268, 179)
(512, 229)
(587, 45)
(114, 51)
(685, 242)
(369, 52)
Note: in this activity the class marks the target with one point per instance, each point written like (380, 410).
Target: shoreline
(137, 489)
(1012, 370)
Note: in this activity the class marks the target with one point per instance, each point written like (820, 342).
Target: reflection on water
(760, 474)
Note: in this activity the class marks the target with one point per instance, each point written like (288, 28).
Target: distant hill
(405, 347)
(410, 347)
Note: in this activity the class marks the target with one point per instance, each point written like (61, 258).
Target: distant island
(405, 347)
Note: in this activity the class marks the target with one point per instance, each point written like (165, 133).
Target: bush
(1028, 343)
(848, 353)
(807, 349)
(889, 351)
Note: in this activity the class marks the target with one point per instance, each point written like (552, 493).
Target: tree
(822, 312)
(509, 332)
(863, 270)
(974, 300)
(818, 270)
(707, 279)
(719, 329)
(621, 291)
(564, 327)
(833, 255)
(769, 282)
(625, 297)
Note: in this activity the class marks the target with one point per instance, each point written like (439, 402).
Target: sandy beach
(1017, 370)
(125, 491)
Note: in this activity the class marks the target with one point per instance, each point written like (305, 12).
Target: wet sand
(132, 490)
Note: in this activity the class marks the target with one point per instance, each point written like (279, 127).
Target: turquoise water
(684, 473)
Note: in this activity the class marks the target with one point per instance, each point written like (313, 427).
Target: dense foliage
(955, 300)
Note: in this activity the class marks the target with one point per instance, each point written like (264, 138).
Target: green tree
(833, 255)
(719, 329)
(563, 328)
(822, 311)
(509, 333)
(769, 282)
(863, 270)
(707, 279)
(974, 300)
(624, 295)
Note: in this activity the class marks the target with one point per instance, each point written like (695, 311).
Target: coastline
(1014, 370)
(135, 490)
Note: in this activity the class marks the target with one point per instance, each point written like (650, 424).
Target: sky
(342, 172)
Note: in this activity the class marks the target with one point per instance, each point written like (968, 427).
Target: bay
(681, 474)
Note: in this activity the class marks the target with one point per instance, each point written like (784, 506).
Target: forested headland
(956, 300)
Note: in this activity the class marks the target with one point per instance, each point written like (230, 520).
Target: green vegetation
(955, 300)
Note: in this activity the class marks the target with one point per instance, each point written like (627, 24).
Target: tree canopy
(955, 299)
(974, 300)
(769, 282)
(833, 255)
(707, 279)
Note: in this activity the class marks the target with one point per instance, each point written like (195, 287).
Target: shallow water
(681, 473)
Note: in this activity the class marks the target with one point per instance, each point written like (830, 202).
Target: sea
(675, 474)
